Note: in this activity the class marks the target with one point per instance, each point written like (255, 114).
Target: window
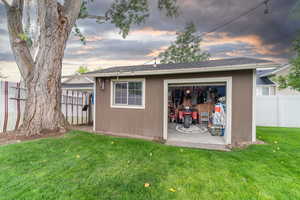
(265, 91)
(128, 94)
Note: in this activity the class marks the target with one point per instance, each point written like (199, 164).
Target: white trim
(79, 88)
(254, 106)
(276, 71)
(94, 110)
(165, 117)
(184, 70)
(228, 81)
(143, 80)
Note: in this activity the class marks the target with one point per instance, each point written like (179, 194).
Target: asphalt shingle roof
(209, 63)
(264, 73)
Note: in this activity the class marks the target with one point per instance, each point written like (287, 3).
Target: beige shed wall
(148, 123)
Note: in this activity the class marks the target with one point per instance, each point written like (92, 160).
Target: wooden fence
(75, 105)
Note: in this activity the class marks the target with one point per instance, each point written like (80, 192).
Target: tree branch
(72, 10)
(19, 47)
(5, 3)
(98, 18)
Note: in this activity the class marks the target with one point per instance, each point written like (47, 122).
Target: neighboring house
(146, 101)
(77, 90)
(77, 82)
(267, 87)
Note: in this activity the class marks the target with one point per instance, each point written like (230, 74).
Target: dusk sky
(260, 35)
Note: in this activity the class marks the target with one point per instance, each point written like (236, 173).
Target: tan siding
(148, 122)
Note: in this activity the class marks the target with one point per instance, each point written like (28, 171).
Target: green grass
(86, 166)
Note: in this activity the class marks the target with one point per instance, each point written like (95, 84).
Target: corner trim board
(95, 103)
(254, 106)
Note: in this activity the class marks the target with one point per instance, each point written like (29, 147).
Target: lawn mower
(187, 116)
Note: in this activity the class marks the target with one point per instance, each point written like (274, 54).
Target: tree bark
(42, 75)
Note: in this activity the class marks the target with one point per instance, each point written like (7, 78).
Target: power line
(238, 17)
(266, 11)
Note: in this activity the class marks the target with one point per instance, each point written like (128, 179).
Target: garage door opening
(197, 112)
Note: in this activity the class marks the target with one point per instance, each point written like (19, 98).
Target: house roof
(274, 71)
(205, 66)
(264, 73)
(77, 78)
(262, 79)
(77, 82)
(78, 86)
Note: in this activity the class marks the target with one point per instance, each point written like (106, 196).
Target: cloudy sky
(260, 35)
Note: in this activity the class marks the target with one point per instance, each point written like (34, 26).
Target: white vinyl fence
(280, 111)
(12, 103)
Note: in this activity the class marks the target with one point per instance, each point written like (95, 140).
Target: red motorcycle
(188, 116)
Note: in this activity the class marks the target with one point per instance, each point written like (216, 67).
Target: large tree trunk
(42, 72)
(43, 108)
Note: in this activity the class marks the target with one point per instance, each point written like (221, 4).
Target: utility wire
(265, 2)
(237, 18)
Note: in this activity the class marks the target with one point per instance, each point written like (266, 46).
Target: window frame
(112, 93)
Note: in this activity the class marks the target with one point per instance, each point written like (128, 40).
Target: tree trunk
(43, 105)
(42, 109)
(42, 73)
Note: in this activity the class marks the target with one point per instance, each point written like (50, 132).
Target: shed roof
(210, 65)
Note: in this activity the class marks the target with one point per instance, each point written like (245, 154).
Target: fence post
(67, 104)
(86, 112)
(72, 109)
(77, 107)
(5, 106)
(82, 104)
(277, 111)
(18, 98)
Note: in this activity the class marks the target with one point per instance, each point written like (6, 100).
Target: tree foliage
(185, 49)
(82, 69)
(293, 78)
(126, 13)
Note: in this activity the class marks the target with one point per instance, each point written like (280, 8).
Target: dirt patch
(16, 137)
(244, 145)
(83, 128)
(13, 137)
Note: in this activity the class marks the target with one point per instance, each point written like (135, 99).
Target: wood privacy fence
(75, 105)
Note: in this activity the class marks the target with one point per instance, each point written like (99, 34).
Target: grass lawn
(86, 166)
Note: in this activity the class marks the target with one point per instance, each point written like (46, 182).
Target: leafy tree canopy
(185, 49)
(293, 78)
(125, 13)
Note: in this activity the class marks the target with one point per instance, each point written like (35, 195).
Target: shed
(208, 104)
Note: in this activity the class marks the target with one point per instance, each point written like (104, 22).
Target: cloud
(156, 52)
(255, 35)
(151, 31)
(254, 41)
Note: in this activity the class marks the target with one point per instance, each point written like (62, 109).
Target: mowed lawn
(85, 166)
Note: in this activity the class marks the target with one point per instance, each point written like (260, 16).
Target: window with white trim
(128, 93)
